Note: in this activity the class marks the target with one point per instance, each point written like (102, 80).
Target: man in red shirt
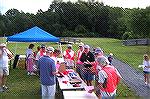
(79, 64)
(69, 56)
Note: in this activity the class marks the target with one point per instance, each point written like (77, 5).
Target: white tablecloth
(79, 95)
(68, 86)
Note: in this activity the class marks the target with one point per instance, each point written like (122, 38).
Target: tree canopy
(80, 19)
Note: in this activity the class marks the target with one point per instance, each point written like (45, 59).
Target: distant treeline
(80, 19)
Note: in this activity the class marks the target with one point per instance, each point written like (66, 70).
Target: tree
(116, 23)
(140, 22)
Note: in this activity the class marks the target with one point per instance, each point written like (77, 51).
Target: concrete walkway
(132, 78)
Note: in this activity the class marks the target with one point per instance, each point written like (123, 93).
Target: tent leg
(60, 47)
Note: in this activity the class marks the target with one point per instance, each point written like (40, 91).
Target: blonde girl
(146, 69)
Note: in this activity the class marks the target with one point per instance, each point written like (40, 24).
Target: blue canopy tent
(34, 34)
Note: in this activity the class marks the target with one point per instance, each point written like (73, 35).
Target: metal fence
(136, 42)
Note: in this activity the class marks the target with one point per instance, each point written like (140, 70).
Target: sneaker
(32, 73)
(28, 73)
(5, 87)
(1, 89)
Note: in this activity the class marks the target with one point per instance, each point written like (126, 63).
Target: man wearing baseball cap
(88, 59)
(79, 64)
(69, 56)
(47, 75)
(98, 54)
(110, 58)
(40, 53)
(99, 51)
(4, 69)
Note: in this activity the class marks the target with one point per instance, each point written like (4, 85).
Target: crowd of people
(91, 65)
(32, 57)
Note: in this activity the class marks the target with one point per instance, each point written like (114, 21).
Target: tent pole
(60, 47)
(15, 48)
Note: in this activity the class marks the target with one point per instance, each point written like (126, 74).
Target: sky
(32, 6)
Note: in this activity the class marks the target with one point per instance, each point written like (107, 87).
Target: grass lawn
(132, 55)
(22, 85)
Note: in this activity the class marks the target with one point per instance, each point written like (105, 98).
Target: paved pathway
(132, 78)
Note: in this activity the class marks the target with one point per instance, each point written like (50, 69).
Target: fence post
(148, 41)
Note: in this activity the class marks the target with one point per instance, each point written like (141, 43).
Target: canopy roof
(34, 34)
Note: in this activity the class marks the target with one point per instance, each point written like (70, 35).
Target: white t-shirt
(4, 59)
(28, 52)
(146, 63)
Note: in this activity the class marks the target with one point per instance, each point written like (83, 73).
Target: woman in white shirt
(30, 60)
(146, 69)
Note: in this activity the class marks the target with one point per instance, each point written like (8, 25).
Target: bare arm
(99, 86)
(55, 73)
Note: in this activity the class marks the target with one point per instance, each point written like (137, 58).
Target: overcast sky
(32, 6)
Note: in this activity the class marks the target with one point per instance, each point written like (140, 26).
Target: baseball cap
(50, 49)
(42, 46)
(102, 60)
(98, 50)
(69, 46)
(111, 54)
(86, 46)
(81, 44)
(3, 45)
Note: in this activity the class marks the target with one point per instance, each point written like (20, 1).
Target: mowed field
(22, 85)
(132, 55)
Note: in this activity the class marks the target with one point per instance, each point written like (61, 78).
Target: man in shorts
(4, 69)
(47, 75)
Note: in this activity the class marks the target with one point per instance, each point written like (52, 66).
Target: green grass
(132, 55)
(124, 91)
(20, 47)
(22, 85)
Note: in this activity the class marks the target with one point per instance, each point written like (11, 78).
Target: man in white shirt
(4, 69)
